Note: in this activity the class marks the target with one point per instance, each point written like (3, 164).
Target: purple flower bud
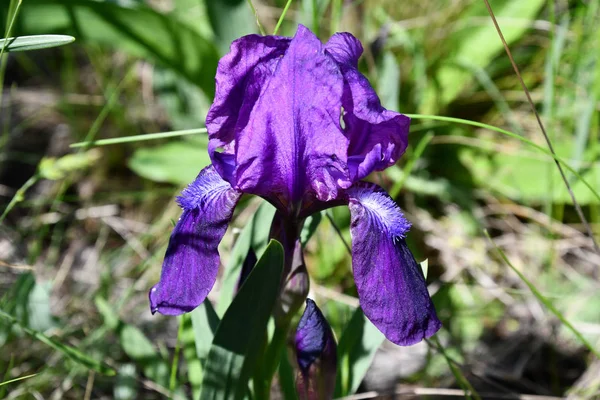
(316, 355)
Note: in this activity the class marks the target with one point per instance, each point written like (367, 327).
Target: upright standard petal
(192, 260)
(391, 287)
(238, 84)
(288, 136)
(378, 137)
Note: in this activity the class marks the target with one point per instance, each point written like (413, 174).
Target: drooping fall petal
(192, 260)
(391, 287)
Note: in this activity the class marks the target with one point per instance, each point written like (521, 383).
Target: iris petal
(234, 88)
(391, 287)
(378, 137)
(292, 141)
(192, 260)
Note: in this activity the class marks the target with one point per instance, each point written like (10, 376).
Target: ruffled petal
(345, 48)
(391, 287)
(290, 140)
(294, 119)
(236, 84)
(192, 260)
(378, 137)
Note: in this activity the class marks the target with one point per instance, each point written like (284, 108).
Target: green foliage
(176, 162)
(255, 236)
(478, 43)
(139, 31)
(26, 43)
(56, 169)
(237, 342)
(456, 178)
(70, 352)
(230, 20)
(28, 302)
(199, 329)
(523, 176)
(356, 350)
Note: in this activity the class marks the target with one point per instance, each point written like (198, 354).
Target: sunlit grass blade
(282, 17)
(470, 392)
(139, 138)
(236, 348)
(356, 350)
(544, 300)
(162, 135)
(20, 378)
(13, 11)
(175, 363)
(194, 367)
(534, 110)
(260, 27)
(421, 146)
(199, 330)
(19, 196)
(36, 42)
(68, 351)
(512, 135)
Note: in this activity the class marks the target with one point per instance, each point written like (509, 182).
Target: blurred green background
(85, 239)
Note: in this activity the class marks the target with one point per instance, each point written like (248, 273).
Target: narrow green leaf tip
(36, 42)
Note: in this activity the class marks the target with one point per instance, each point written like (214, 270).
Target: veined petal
(237, 84)
(345, 48)
(192, 260)
(378, 137)
(290, 141)
(391, 287)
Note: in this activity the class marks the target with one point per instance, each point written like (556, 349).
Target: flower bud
(316, 355)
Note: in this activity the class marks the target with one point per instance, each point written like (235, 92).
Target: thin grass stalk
(543, 299)
(282, 17)
(546, 138)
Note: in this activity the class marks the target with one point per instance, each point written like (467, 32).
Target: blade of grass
(111, 101)
(421, 146)
(260, 27)
(7, 374)
(464, 384)
(140, 138)
(68, 351)
(541, 125)
(543, 299)
(19, 196)
(173, 377)
(14, 8)
(20, 378)
(162, 135)
(282, 16)
(512, 135)
(36, 42)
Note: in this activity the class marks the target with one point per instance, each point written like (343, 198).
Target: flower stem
(19, 196)
(263, 379)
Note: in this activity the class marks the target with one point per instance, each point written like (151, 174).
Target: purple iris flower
(296, 123)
